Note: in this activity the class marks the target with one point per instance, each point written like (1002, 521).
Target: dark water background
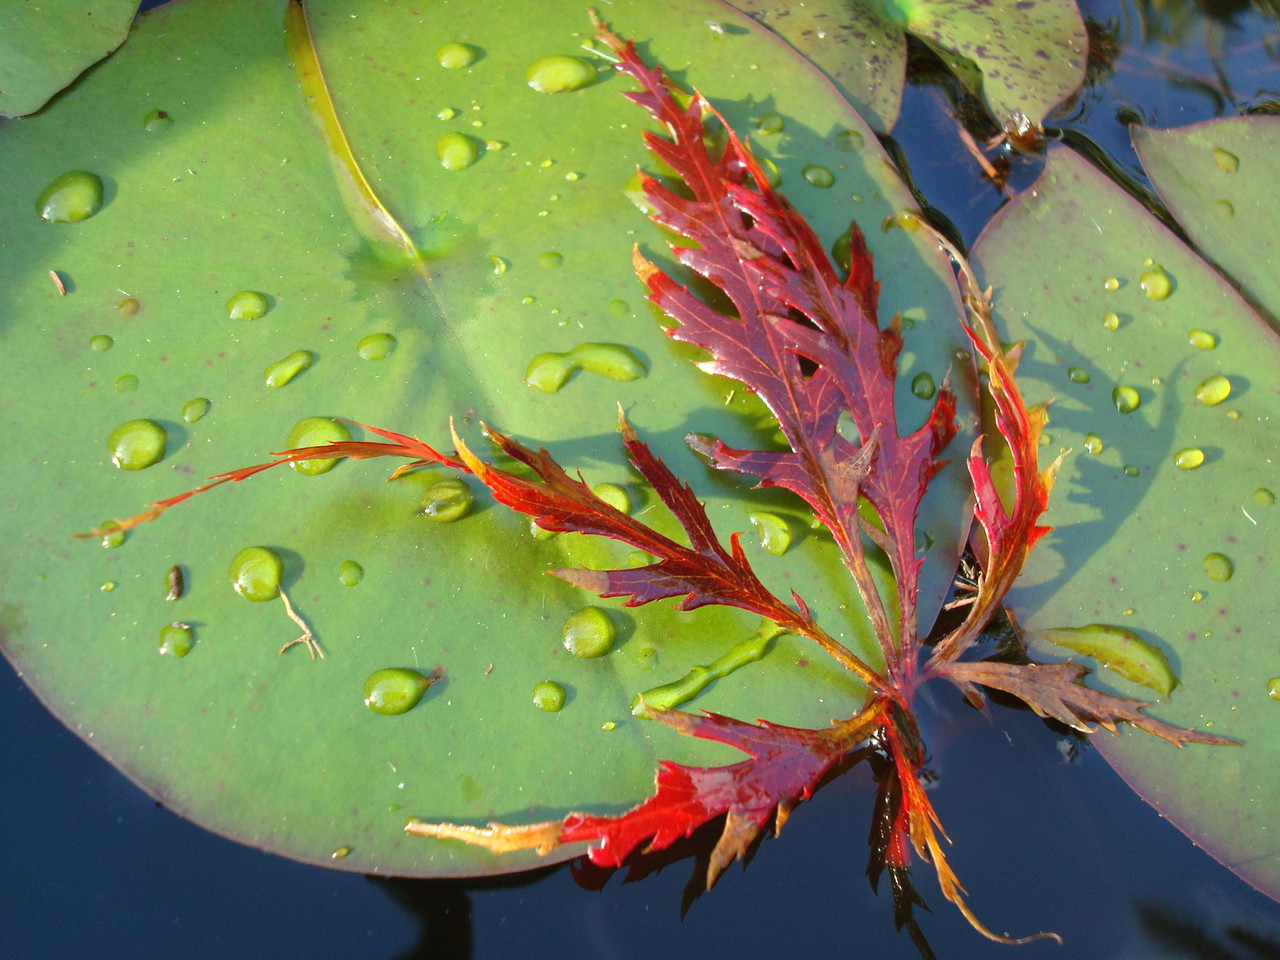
(92, 868)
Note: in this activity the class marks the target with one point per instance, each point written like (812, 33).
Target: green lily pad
(526, 251)
(1177, 548)
(43, 47)
(1024, 57)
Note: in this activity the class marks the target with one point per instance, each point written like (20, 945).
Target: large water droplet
(499, 265)
(376, 346)
(395, 690)
(1111, 283)
(176, 639)
(776, 535)
(312, 432)
(157, 121)
(818, 175)
(1227, 161)
(550, 260)
(1189, 458)
(549, 372)
(1213, 390)
(549, 696)
(1093, 444)
(922, 386)
(137, 444)
(1264, 497)
(282, 371)
(1155, 283)
(1218, 567)
(255, 573)
(850, 141)
(1202, 340)
(70, 197)
(614, 495)
(589, 633)
(101, 342)
(1111, 321)
(128, 307)
(446, 113)
(195, 409)
(455, 56)
(1225, 208)
(1126, 399)
(560, 74)
(447, 500)
(770, 123)
(247, 305)
(350, 573)
(457, 151)
(1077, 374)
(126, 384)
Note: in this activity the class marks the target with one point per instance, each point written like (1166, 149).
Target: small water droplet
(1111, 283)
(1126, 399)
(255, 573)
(499, 265)
(614, 495)
(1155, 283)
(247, 305)
(549, 696)
(1273, 688)
(1093, 444)
(137, 444)
(101, 342)
(1213, 390)
(350, 573)
(526, 299)
(128, 307)
(447, 500)
(313, 432)
(195, 409)
(446, 113)
(284, 370)
(608, 725)
(340, 853)
(70, 197)
(1233, 414)
(457, 151)
(922, 386)
(560, 73)
(1111, 321)
(1264, 497)
(455, 56)
(771, 172)
(395, 690)
(1130, 470)
(589, 633)
(850, 141)
(1202, 340)
(1218, 567)
(126, 384)
(157, 121)
(107, 586)
(1225, 208)
(818, 175)
(550, 260)
(618, 308)
(549, 372)
(112, 535)
(1077, 374)
(770, 123)
(176, 639)
(376, 346)
(776, 535)
(1196, 596)
(1189, 458)
(1227, 161)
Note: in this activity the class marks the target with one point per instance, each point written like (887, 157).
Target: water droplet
(1155, 283)
(282, 371)
(107, 586)
(550, 260)
(255, 573)
(775, 532)
(126, 384)
(560, 74)
(1264, 497)
(1131, 471)
(71, 197)
(447, 500)
(195, 409)
(770, 123)
(818, 176)
(447, 113)
(1213, 390)
(618, 308)
(526, 300)
(1225, 208)
(340, 853)
(608, 725)
(614, 495)
(176, 639)
(549, 696)
(1111, 321)
(312, 432)
(247, 305)
(157, 121)
(1188, 459)
(101, 342)
(1202, 340)
(455, 56)
(1111, 283)
(137, 444)
(350, 573)
(1233, 414)
(770, 169)
(1126, 399)
(850, 141)
(376, 346)
(922, 386)
(112, 535)
(1196, 596)
(1273, 688)
(589, 633)
(499, 265)
(395, 690)
(128, 307)
(1077, 374)
(1227, 162)
(457, 151)
(1093, 444)
(1218, 567)
(549, 372)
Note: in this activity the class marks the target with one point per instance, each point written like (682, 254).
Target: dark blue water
(92, 868)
